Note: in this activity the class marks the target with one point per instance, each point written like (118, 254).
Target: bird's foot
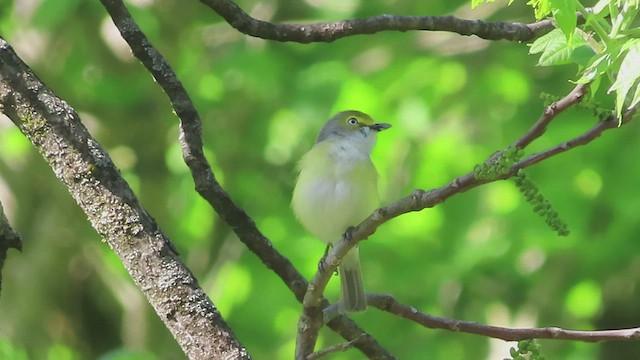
(348, 234)
(324, 257)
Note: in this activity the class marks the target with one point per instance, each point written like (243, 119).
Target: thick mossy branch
(541, 205)
(94, 182)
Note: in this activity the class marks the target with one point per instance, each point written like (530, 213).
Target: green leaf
(541, 8)
(555, 49)
(629, 13)
(564, 12)
(475, 3)
(602, 63)
(582, 55)
(628, 74)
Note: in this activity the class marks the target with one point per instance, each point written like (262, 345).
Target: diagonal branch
(550, 113)
(389, 304)
(328, 32)
(205, 181)
(96, 185)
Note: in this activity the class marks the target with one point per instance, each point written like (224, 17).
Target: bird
(336, 189)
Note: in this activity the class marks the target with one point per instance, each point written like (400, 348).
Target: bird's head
(350, 124)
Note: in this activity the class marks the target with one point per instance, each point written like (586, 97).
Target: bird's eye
(352, 121)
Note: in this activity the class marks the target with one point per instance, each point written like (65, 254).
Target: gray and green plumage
(337, 188)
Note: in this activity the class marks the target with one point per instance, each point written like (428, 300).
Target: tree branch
(328, 32)
(389, 304)
(205, 182)
(95, 183)
(550, 113)
(332, 349)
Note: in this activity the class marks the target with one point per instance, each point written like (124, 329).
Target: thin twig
(389, 304)
(327, 32)
(333, 348)
(550, 113)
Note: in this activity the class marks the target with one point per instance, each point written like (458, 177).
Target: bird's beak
(379, 126)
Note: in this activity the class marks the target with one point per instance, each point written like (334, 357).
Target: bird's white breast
(337, 187)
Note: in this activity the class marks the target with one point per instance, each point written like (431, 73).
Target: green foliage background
(481, 256)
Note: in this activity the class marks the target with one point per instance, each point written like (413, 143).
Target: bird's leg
(347, 236)
(324, 257)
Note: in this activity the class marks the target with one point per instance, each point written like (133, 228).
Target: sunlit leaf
(564, 12)
(554, 48)
(629, 13)
(541, 8)
(602, 63)
(627, 76)
(475, 3)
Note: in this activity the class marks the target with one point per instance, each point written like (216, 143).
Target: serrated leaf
(541, 43)
(628, 74)
(564, 12)
(555, 49)
(602, 63)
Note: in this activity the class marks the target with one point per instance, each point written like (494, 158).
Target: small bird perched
(338, 188)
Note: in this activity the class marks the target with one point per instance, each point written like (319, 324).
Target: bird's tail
(352, 296)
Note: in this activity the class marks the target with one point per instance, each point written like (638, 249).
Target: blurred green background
(481, 256)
